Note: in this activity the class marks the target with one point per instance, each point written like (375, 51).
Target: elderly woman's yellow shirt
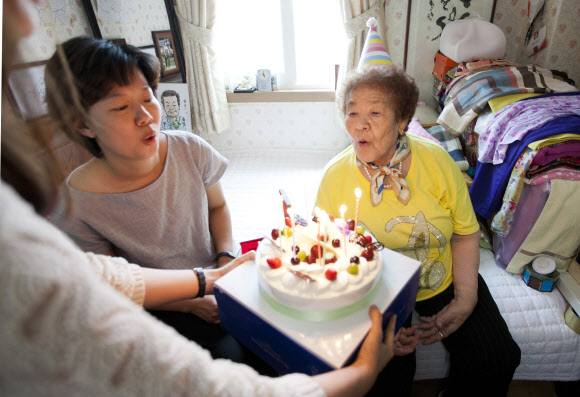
(439, 206)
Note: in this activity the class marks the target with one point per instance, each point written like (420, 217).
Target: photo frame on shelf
(27, 91)
(119, 41)
(166, 51)
(150, 49)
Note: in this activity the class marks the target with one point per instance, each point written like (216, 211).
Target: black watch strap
(201, 282)
(224, 253)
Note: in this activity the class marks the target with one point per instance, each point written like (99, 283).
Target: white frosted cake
(303, 280)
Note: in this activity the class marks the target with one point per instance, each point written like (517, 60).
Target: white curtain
(209, 106)
(355, 14)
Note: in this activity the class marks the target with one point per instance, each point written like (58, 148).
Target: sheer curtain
(209, 106)
(355, 14)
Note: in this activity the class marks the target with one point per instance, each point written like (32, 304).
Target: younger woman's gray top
(163, 225)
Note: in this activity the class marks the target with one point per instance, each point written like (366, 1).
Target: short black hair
(82, 72)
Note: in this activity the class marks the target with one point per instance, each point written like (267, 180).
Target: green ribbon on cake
(320, 315)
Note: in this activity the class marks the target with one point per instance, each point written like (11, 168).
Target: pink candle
(357, 193)
(291, 214)
(317, 213)
(342, 211)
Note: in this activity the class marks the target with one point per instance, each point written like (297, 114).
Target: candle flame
(357, 193)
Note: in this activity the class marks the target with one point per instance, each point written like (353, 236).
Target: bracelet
(225, 253)
(201, 281)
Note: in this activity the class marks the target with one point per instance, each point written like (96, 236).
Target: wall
(303, 125)
(428, 17)
(563, 34)
(59, 20)
(132, 20)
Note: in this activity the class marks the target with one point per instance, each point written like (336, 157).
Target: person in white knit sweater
(66, 330)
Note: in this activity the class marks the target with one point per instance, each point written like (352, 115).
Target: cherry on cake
(303, 272)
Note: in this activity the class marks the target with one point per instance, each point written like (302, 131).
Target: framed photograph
(166, 52)
(27, 90)
(149, 49)
(119, 41)
(175, 105)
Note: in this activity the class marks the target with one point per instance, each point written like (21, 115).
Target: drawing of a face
(171, 106)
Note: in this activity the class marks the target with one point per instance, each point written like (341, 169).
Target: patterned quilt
(469, 95)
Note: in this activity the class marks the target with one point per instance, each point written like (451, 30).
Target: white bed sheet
(550, 349)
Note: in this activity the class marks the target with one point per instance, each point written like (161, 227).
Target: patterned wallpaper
(303, 125)
(132, 20)
(562, 38)
(395, 21)
(59, 20)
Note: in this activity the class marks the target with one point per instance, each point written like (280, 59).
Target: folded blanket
(468, 97)
(551, 153)
(512, 123)
(450, 143)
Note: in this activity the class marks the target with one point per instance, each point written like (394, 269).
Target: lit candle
(357, 193)
(342, 211)
(318, 213)
(291, 215)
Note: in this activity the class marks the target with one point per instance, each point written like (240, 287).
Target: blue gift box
(290, 340)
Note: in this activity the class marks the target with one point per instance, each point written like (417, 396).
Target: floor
(518, 388)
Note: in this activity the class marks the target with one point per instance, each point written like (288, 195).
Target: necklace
(365, 167)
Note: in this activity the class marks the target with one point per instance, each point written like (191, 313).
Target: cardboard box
(287, 341)
(574, 270)
(442, 66)
(570, 289)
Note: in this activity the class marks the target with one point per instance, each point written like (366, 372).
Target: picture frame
(119, 41)
(175, 106)
(27, 90)
(166, 52)
(150, 49)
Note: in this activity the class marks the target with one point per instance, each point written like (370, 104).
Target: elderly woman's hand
(447, 321)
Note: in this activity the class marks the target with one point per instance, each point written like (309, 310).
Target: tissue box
(293, 341)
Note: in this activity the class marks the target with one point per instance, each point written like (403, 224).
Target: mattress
(550, 349)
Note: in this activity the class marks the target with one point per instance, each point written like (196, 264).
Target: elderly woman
(415, 201)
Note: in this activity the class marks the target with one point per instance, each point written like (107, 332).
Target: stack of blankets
(520, 125)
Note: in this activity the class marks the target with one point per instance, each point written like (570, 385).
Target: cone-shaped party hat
(374, 51)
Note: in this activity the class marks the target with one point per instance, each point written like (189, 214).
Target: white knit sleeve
(125, 277)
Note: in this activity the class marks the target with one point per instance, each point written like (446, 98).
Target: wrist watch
(201, 282)
(224, 253)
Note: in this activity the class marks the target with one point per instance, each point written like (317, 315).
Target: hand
(206, 309)
(211, 275)
(375, 351)
(406, 340)
(447, 321)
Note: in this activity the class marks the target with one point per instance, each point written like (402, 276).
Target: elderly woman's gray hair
(401, 91)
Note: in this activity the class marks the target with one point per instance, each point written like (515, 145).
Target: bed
(550, 350)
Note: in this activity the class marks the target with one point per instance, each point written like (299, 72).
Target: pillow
(451, 143)
(468, 39)
(415, 128)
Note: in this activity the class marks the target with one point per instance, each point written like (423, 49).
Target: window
(300, 41)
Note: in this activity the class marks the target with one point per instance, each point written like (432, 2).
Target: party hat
(374, 51)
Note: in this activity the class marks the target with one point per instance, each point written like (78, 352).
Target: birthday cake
(322, 266)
